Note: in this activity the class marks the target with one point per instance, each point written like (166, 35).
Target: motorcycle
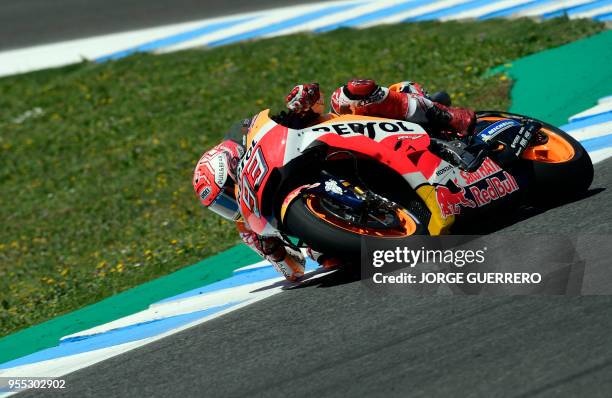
(351, 176)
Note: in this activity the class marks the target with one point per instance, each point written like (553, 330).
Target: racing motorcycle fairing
(279, 162)
(399, 145)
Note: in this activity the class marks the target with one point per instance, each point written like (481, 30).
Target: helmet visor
(225, 205)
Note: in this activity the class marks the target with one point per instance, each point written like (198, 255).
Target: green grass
(96, 190)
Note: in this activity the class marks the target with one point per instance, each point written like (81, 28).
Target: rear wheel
(335, 229)
(558, 167)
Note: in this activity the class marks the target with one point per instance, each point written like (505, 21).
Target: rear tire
(563, 180)
(554, 181)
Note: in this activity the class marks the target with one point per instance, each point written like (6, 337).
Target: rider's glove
(305, 97)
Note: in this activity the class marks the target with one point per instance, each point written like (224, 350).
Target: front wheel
(335, 229)
(558, 168)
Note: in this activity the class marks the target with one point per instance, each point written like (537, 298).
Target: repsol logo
(370, 128)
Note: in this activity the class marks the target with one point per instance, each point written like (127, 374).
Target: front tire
(328, 234)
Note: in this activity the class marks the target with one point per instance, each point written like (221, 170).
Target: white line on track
(597, 130)
(593, 12)
(605, 100)
(477, 12)
(399, 17)
(601, 107)
(185, 306)
(73, 51)
(551, 7)
(358, 11)
(600, 155)
(266, 19)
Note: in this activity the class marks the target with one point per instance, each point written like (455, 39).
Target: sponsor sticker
(444, 169)
(370, 129)
(496, 128)
(486, 169)
(450, 202)
(205, 193)
(494, 188)
(221, 171)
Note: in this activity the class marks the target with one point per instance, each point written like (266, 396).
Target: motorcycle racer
(215, 173)
(404, 101)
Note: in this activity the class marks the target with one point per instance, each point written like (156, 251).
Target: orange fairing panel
(258, 122)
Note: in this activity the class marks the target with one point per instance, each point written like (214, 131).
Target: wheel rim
(402, 223)
(556, 150)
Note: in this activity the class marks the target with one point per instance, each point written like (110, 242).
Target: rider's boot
(325, 261)
(460, 121)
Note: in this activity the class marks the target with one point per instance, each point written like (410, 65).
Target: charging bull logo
(494, 188)
(450, 203)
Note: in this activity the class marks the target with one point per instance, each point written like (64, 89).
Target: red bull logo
(450, 203)
(495, 188)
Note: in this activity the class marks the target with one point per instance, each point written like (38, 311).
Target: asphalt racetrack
(339, 338)
(26, 23)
